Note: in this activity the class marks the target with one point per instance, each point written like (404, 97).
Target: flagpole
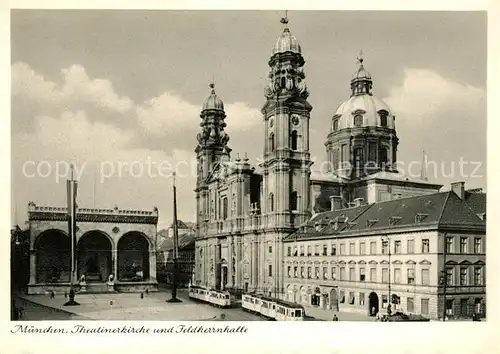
(71, 186)
(175, 250)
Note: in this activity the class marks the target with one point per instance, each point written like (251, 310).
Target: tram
(273, 309)
(214, 297)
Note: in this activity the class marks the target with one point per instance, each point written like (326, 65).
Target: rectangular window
(342, 248)
(397, 247)
(463, 244)
(334, 273)
(397, 275)
(425, 245)
(270, 270)
(411, 275)
(361, 299)
(289, 251)
(477, 245)
(309, 272)
(384, 301)
(316, 250)
(334, 250)
(295, 272)
(341, 296)
(301, 250)
(351, 297)
(325, 250)
(373, 247)
(342, 273)
(302, 273)
(410, 246)
(425, 276)
(316, 272)
(424, 306)
(289, 271)
(449, 307)
(325, 273)
(352, 276)
(385, 247)
(464, 307)
(362, 250)
(478, 276)
(352, 249)
(449, 276)
(295, 251)
(270, 249)
(309, 250)
(410, 305)
(373, 274)
(362, 274)
(449, 244)
(463, 276)
(385, 275)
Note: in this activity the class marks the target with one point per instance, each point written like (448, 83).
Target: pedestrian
(335, 318)
(373, 311)
(223, 316)
(65, 294)
(147, 291)
(142, 295)
(52, 294)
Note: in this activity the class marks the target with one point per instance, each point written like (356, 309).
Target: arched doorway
(133, 257)
(94, 256)
(334, 300)
(373, 306)
(53, 257)
(223, 273)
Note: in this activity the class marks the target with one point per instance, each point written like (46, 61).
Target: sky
(119, 93)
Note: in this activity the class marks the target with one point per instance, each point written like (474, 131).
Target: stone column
(152, 265)
(230, 262)
(32, 267)
(114, 257)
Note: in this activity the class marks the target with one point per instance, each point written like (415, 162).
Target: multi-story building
(244, 216)
(412, 252)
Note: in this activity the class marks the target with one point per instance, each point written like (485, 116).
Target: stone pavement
(327, 315)
(128, 306)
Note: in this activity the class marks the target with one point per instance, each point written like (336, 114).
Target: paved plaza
(153, 307)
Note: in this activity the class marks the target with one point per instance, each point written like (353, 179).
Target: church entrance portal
(373, 306)
(333, 300)
(94, 257)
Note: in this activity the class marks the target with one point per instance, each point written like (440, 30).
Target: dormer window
(383, 120)
(335, 125)
(393, 220)
(358, 120)
(420, 217)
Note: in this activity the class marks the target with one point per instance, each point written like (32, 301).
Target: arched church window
(335, 125)
(358, 157)
(383, 157)
(383, 120)
(293, 201)
(358, 120)
(283, 82)
(271, 142)
(224, 208)
(294, 140)
(335, 159)
(271, 202)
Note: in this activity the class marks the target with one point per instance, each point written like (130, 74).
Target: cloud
(445, 118)
(172, 114)
(76, 87)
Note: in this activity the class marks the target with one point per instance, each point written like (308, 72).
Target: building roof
(439, 210)
(186, 238)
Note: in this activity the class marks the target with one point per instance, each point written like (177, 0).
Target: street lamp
(387, 240)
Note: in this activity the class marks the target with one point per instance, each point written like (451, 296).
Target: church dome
(361, 73)
(363, 111)
(213, 101)
(287, 43)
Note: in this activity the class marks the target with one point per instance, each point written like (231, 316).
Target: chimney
(358, 202)
(459, 189)
(335, 202)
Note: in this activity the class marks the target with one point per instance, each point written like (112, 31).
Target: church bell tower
(286, 165)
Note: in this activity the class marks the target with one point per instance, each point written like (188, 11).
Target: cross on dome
(284, 20)
(360, 57)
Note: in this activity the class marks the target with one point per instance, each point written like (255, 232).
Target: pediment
(425, 262)
(479, 263)
(410, 262)
(372, 262)
(361, 262)
(397, 262)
